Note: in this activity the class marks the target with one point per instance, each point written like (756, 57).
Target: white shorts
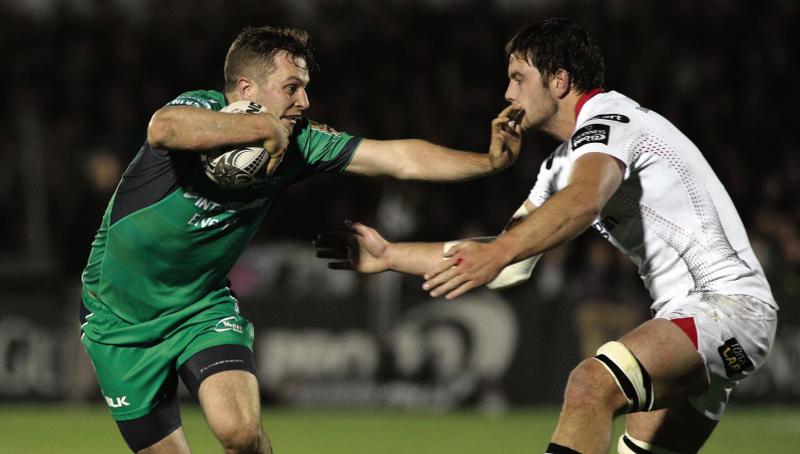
(733, 334)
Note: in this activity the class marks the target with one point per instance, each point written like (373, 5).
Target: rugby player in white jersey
(633, 176)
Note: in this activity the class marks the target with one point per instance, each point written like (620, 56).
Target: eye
(291, 89)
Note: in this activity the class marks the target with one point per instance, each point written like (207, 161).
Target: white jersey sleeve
(611, 133)
(546, 181)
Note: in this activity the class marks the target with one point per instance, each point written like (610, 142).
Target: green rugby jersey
(169, 235)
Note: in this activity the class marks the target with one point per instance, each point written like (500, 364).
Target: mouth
(291, 119)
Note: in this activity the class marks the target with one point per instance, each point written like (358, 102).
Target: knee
(591, 387)
(243, 438)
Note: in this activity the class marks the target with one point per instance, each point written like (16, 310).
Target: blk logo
(117, 402)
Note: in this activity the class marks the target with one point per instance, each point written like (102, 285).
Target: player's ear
(561, 83)
(246, 87)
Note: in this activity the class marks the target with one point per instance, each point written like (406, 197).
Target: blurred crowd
(85, 76)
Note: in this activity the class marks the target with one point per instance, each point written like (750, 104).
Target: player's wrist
(390, 259)
(506, 248)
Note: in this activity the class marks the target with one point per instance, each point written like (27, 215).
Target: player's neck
(563, 124)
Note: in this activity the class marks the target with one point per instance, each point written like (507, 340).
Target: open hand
(361, 249)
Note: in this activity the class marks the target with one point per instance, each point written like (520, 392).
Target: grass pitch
(81, 430)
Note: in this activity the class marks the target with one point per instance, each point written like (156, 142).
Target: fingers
(452, 283)
(357, 227)
(446, 276)
(344, 265)
(516, 116)
(462, 289)
(509, 120)
(332, 240)
(337, 254)
(273, 163)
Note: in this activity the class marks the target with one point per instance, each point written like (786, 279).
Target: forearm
(427, 161)
(414, 159)
(563, 217)
(413, 258)
(191, 128)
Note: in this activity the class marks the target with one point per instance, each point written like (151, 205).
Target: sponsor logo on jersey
(117, 402)
(228, 324)
(734, 358)
(595, 133)
(254, 107)
(324, 128)
(613, 117)
(194, 101)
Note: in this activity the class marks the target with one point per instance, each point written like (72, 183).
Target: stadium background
(83, 78)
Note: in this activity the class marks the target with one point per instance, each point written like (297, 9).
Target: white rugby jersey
(671, 215)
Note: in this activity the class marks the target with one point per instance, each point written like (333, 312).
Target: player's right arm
(198, 129)
(363, 249)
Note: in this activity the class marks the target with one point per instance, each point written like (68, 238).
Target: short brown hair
(556, 44)
(259, 45)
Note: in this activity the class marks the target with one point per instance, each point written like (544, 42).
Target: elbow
(159, 129)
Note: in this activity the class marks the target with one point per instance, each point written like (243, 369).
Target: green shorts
(135, 377)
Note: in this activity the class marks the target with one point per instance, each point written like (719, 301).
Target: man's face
(527, 90)
(283, 91)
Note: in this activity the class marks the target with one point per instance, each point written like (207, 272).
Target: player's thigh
(670, 358)
(679, 428)
(133, 379)
(231, 403)
(139, 386)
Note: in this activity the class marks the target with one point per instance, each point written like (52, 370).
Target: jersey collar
(585, 97)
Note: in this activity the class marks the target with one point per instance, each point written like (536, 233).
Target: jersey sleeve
(326, 149)
(205, 99)
(610, 133)
(545, 185)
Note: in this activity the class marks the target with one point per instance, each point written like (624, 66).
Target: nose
(301, 99)
(510, 93)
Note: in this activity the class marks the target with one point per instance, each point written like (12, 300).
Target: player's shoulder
(610, 107)
(602, 114)
(206, 99)
(307, 126)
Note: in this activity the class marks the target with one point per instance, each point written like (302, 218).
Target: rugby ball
(240, 166)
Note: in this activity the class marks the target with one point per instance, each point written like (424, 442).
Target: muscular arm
(594, 179)
(197, 129)
(363, 249)
(414, 159)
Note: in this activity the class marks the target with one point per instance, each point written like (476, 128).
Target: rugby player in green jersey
(156, 302)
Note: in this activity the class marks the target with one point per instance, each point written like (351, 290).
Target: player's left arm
(415, 159)
(594, 178)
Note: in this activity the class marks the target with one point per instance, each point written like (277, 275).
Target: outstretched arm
(594, 179)
(363, 249)
(415, 159)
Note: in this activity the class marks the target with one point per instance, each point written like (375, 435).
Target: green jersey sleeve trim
(205, 99)
(326, 149)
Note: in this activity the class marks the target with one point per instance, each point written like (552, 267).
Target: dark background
(83, 77)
